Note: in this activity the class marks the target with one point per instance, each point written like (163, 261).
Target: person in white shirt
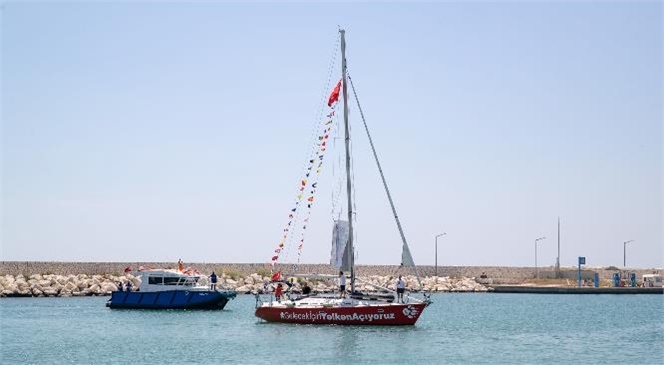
(401, 287)
(342, 284)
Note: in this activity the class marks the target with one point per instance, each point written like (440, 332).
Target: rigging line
(406, 249)
(323, 147)
(326, 88)
(311, 185)
(338, 182)
(313, 134)
(322, 109)
(352, 177)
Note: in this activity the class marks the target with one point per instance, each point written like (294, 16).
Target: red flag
(276, 276)
(335, 94)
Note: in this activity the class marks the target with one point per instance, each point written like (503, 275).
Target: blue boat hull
(170, 299)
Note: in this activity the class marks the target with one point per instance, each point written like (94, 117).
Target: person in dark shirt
(306, 289)
(213, 281)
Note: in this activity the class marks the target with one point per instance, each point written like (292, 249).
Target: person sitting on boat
(213, 281)
(120, 286)
(342, 284)
(128, 285)
(401, 288)
(306, 289)
(277, 292)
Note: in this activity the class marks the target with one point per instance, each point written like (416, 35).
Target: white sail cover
(338, 256)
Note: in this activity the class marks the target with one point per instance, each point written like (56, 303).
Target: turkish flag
(335, 94)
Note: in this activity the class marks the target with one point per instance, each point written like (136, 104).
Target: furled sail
(338, 257)
(406, 258)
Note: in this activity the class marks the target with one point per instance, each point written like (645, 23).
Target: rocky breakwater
(52, 285)
(37, 285)
(255, 283)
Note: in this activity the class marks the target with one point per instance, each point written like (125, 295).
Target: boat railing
(407, 298)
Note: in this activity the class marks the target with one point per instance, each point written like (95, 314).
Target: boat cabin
(652, 281)
(162, 280)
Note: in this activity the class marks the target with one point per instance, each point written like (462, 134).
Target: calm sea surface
(456, 329)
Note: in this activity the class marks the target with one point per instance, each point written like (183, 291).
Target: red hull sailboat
(354, 308)
(334, 311)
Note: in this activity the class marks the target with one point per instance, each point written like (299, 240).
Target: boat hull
(373, 315)
(170, 299)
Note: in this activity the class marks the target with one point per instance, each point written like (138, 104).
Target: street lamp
(536, 268)
(438, 235)
(625, 252)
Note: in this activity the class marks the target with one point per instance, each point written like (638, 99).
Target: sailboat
(355, 308)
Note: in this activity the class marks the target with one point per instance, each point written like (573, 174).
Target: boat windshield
(172, 280)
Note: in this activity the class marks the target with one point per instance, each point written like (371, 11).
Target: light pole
(625, 252)
(438, 235)
(536, 268)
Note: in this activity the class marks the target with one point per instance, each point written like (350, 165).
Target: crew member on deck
(213, 281)
(306, 289)
(180, 265)
(401, 287)
(342, 284)
(277, 292)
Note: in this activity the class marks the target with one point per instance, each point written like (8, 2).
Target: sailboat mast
(349, 245)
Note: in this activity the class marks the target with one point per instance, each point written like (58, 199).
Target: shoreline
(66, 279)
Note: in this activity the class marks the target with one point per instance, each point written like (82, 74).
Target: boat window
(156, 280)
(171, 281)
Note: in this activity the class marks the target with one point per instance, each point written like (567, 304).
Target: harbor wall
(499, 274)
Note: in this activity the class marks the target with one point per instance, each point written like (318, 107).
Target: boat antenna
(406, 258)
(349, 246)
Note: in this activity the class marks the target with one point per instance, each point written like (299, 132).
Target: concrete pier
(523, 289)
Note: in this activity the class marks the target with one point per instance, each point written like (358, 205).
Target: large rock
(82, 283)
(244, 289)
(94, 289)
(51, 292)
(107, 287)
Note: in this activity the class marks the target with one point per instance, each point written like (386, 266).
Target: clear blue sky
(158, 131)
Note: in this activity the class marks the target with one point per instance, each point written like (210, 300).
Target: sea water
(469, 328)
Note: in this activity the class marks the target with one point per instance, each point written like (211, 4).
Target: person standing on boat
(401, 288)
(306, 290)
(342, 284)
(213, 281)
(180, 265)
(277, 292)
